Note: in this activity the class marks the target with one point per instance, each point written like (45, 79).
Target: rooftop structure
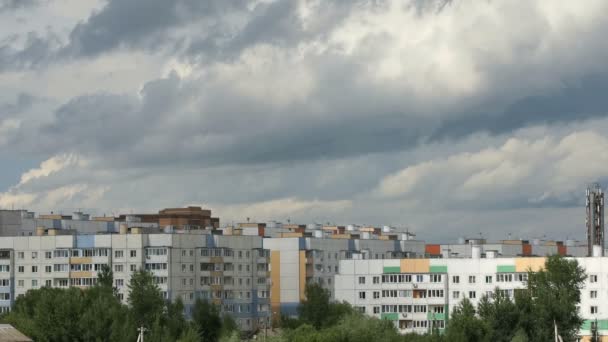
(595, 220)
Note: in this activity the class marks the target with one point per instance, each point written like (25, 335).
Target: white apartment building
(230, 271)
(417, 294)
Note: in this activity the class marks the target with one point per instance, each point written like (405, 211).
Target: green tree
(464, 326)
(145, 300)
(229, 326)
(189, 335)
(315, 308)
(207, 320)
(500, 314)
(174, 321)
(555, 293)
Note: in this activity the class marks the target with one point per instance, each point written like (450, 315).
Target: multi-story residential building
(230, 271)
(417, 294)
(296, 261)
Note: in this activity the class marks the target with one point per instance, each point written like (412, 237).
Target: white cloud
(524, 170)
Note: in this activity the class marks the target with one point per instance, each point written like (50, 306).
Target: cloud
(520, 173)
(307, 105)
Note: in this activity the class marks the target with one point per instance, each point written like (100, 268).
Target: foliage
(145, 300)
(465, 326)
(207, 320)
(555, 293)
(317, 310)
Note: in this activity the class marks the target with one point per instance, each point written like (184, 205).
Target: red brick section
(526, 249)
(562, 250)
(433, 249)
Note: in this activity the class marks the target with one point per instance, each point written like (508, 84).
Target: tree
(500, 314)
(145, 300)
(555, 293)
(207, 320)
(315, 309)
(465, 326)
(189, 335)
(229, 326)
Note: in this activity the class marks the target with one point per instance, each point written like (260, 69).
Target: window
(34, 269)
(376, 294)
(362, 295)
(20, 283)
(5, 268)
(118, 254)
(5, 282)
(20, 255)
(455, 294)
(455, 279)
(593, 294)
(48, 269)
(118, 268)
(5, 296)
(593, 309)
(48, 283)
(472, 294)
(34, 255)
(593, 278)
(21, 269)
(489, 279)
(61, 268)
(61, 253)
(435, 278)
(375, 280)
(48, 255)
(156, 266)
(133, 253)
(120, 282)
(376, 309)
(157, 251)
(361, 280)
(471, 279)
(34, 283)
(419, 278)
(133, 268)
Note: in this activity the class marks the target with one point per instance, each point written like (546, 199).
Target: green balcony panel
(438, 269)
(393, 316)
(435, 316)
(505, 269)
(392, 269)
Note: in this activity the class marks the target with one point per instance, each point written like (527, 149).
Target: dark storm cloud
(144, 24)
(585, 99)
(205, 121)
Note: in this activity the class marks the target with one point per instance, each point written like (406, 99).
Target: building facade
(418, 294)
(295, 261)
(230, 271)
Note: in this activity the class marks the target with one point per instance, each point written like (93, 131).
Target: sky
(448, 118)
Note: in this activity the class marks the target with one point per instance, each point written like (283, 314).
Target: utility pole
(140, 337)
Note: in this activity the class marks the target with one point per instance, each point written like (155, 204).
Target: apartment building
(417, 294)
(295, 261)
(230, 271)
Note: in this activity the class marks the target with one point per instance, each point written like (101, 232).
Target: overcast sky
(452, 118)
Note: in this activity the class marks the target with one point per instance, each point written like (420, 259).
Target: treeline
(551, 295)
(96, 314)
